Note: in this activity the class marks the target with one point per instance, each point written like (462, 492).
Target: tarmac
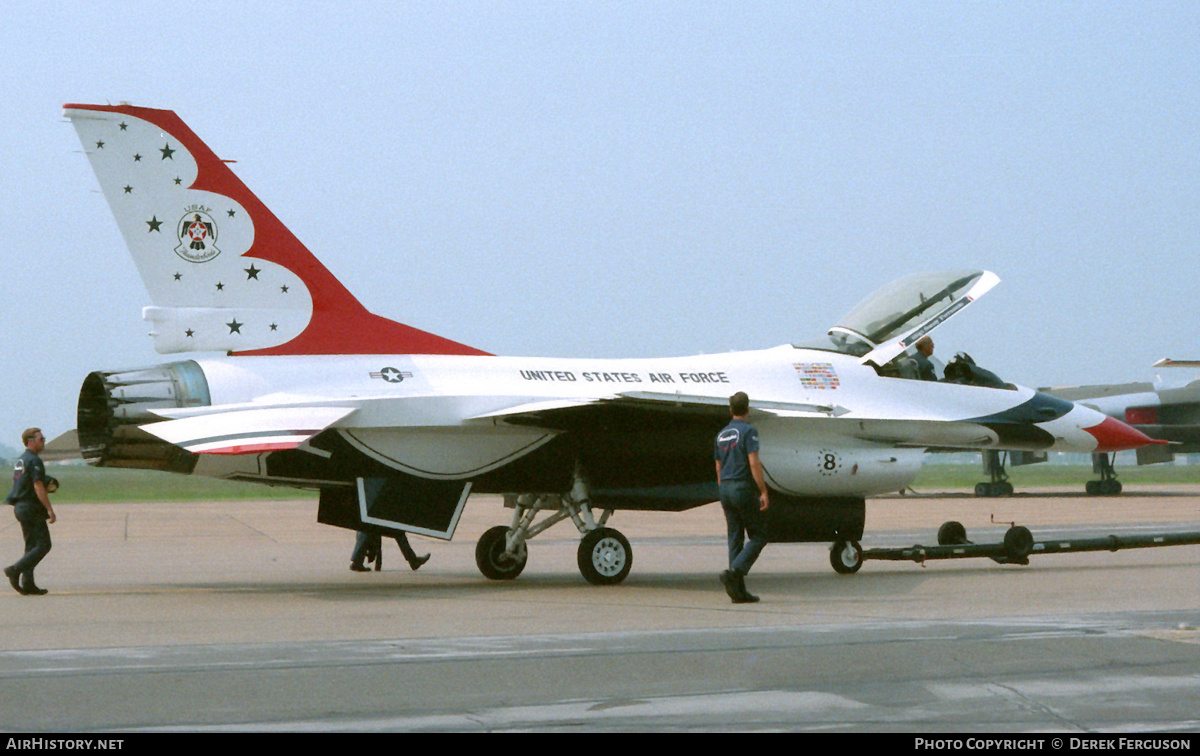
(244, 615)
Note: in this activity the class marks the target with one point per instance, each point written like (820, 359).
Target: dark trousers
(371, 543)
(32, 516)
(743, 524)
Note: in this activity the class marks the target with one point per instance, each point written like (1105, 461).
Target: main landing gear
(604, 555)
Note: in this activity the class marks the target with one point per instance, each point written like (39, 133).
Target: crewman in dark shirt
(31, 504)
(744, 497)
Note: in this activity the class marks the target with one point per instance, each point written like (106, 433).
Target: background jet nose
(1113, 435)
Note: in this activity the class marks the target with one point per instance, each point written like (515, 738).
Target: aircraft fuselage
(446, 417)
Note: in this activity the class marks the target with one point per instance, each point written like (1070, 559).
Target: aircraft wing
(1099, 391)
(695, 403)
(644, 410)
(633, 408)
(247, 431)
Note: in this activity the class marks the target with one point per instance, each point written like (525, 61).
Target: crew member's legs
(37, 545)
(739, 501)
(361, 544)
(414, 561)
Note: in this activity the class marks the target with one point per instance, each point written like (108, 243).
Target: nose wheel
(993, 465)
(1108, 485)
(846, 557)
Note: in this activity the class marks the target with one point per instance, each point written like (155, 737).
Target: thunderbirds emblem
(197, 233)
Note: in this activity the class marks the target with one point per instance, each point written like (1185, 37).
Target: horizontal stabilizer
(250, 431)
(62, 448)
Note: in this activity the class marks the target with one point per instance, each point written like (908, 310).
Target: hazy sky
(633, 178)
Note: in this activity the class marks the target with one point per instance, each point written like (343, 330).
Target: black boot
(729, 579)
(745, 596)
(417, 561)
(14, 579)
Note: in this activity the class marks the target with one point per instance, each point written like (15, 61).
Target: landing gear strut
(604, 555)
(1108, 485)
(993, 465)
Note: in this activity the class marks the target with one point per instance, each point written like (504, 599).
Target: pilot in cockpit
(916, 362)
(925, 368)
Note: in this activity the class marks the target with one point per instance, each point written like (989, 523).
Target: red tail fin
(155, 172)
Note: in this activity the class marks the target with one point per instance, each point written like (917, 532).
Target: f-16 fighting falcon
(293, 382)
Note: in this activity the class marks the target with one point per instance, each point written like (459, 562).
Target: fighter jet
(1165, 409)
(295, 383)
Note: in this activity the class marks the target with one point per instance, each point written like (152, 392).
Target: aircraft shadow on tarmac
(773, 587)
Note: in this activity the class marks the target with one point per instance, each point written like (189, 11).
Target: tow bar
(1017, 547)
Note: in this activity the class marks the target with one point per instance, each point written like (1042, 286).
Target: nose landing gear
(999, 484)
(1108, 485)
(846, 557)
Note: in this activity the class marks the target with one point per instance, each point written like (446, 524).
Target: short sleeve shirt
(925, 370)
(27, 470)
(733, 448)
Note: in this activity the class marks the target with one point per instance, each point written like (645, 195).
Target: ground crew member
(369, 547)
(744, 497)
(31, 505)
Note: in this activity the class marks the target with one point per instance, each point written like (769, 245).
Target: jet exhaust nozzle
(114, 403)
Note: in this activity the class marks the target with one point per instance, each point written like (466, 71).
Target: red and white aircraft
(396, 427)
(1166, 409)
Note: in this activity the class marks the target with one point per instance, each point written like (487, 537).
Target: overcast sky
(633, 178)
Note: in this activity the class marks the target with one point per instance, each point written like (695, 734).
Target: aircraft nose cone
(1113, 435)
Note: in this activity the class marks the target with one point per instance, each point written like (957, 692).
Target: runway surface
(243, 615)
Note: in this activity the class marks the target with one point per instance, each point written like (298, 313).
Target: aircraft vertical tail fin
(222, 271)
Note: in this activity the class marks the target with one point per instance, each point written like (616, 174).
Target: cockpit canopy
(897, 309)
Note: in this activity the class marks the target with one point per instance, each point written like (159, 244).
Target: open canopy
(895, 316)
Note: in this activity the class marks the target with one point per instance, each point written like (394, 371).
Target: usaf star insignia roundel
(391, 375)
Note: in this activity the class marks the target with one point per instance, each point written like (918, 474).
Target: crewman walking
(31, 504)
(744, 496)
